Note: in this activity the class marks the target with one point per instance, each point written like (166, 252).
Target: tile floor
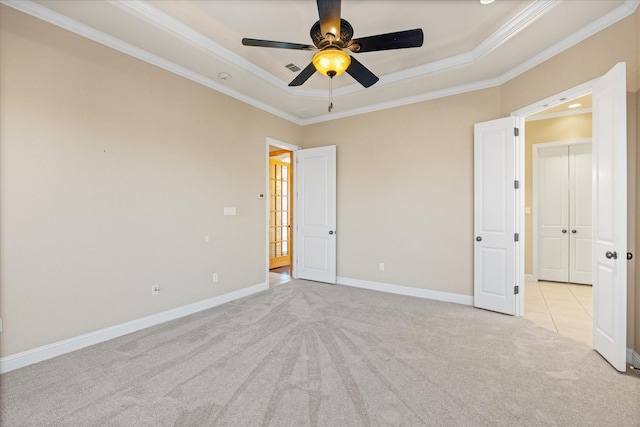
(565, 308)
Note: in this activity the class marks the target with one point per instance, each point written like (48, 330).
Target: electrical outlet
(155, 290)
(215, 277)
(381, 266)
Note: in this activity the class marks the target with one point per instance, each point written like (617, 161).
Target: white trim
(281, 144)
(166, 21)
(456, 90)
(520, 116)
(633, 358)
(25, 358)
(173, 25)
(557, 99)
(559, 114)
(90, 33)
(616, 15)
(406, 290)
(529, 278)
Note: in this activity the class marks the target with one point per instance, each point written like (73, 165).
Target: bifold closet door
(580, 214)
(565, 213)
(553, 213)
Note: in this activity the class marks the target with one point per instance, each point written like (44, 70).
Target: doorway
(562, 212)
(279, 211)
(558, 210)
(280, 215)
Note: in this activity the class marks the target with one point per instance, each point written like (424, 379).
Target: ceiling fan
(330, 36)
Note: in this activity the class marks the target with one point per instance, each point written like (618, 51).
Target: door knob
(629, 256)
(478, 239)
(564, 231)
(610, 255)
(574, 231)
(331, 231)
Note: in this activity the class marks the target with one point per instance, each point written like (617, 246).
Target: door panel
(280, 208)
(553, 204)
(580, 214)
(494, 215)
(610, 216)
(316, 214)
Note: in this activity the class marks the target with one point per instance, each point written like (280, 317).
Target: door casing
(286, 146)
(520, 116)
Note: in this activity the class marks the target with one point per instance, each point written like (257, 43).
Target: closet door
(553, 213)
(580, 214)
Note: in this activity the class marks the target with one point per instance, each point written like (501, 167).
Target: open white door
(494, 216)
(316, 214)
(610, 217)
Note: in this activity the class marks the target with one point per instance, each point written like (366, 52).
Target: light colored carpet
(307, 353)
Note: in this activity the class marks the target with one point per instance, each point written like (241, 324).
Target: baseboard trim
(39, 354)
(633, 358)
(406, 290)
(529, 278)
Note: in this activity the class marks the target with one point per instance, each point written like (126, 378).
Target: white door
(552, 180)
(610, 217)
(316, 214)
(494, 215)
(562, 181)
(580, 214)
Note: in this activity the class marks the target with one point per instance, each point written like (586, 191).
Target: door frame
(520, 117)
(535, 149)
(293, 148)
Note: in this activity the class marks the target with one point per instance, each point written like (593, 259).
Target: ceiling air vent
(293, 67)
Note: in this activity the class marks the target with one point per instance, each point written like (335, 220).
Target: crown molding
(456, 90)
(90, 33)
(616, 15)
(519, 22)
(171, 24)
(503, 34)
(511, 28)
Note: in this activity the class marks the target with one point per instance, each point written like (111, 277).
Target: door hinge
(516, 290)
(516, 184)
(516, 132)
(516, 237)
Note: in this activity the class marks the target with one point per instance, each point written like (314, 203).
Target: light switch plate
(230, 211)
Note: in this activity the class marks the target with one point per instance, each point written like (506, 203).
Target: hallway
(565, 308)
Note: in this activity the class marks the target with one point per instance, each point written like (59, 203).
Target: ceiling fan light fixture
(331, 62)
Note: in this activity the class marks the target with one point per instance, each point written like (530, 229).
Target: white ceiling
(467, 46)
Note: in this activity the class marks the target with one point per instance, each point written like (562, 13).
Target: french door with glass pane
(279, 216)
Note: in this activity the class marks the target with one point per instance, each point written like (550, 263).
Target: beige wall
(112, 172)
(579, 64)
(540, 131)
(405, 191)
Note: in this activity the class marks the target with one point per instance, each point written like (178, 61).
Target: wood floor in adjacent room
(565, 308)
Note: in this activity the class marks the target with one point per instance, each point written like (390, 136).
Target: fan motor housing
(320, 41)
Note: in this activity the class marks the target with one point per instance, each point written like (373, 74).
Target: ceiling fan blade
(329, 12)
(279, 45)
(304, 75)
(397, 40)
(361, 73)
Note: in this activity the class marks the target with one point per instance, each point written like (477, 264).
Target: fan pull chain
(330, 94)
